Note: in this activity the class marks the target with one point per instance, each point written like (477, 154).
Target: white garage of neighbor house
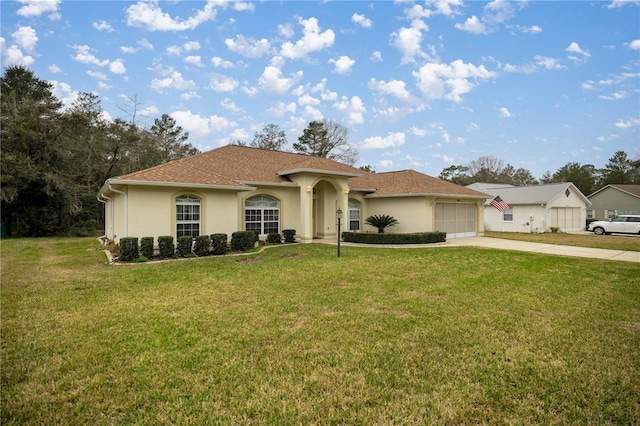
(535, 208)
(236, 188)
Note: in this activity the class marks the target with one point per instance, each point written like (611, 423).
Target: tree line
(488, 169)
(55, 160)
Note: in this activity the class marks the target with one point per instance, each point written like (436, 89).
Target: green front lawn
(295, 335)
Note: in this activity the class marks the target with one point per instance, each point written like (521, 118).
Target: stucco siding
(411, 212)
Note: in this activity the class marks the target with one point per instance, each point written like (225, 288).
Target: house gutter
(318, 171)
(99, 197)
(179, 185)
(425, 194)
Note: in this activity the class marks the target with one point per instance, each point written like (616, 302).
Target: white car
(623, 224)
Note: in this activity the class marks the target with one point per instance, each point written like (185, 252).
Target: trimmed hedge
(274, 238)
(185, 245)
(146, 247)
(411, 238)
(220, 245)
(243, 240)
(165, 245)
(289, 235)
(202, 246)
(129, 249)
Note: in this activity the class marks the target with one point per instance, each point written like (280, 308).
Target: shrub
(202, 246)
(274, 238)
(220, 245)
(381, 221)
(289, 235)
(184, 246)
(146, 247)
(408, 238)
(243, 240)
(554, 229)
(140, 259)
(128, 248)
(165, 245)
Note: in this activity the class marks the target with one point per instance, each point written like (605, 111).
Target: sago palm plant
(381, 221)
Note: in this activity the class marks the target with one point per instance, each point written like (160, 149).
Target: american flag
(499, 204)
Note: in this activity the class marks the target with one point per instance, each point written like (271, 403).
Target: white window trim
(268, 199)
(188, 200)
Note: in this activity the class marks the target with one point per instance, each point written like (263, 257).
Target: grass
(295, 335)
(612, 242)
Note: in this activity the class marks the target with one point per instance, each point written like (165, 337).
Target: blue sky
(420, 85)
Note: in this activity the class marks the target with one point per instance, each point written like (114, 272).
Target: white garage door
(566, 218)
(456, 219)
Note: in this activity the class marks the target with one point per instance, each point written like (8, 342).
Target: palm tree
(381, 221)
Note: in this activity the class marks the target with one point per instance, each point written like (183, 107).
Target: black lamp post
(339, 214)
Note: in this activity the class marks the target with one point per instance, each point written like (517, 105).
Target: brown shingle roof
(410, 182)
(234, 165)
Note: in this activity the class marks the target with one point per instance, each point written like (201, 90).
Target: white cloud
(221, 63)
(286, 30)
(128, 49)
(442, 81)
(117, 67)
(342, 65)
(145, 44)
(280, 109)
(380, 142)
(608, 138)
(408, 40)
(176, 81)
(635, 44)
(307, 99)
(621, 124)
(504, 113)
(228, 104)
(103, 26)
(446, 7)
(200, 128)
(473, 25)
(191, 46)
(271, 79)
(249, 47)
(97, 74)
(615, 96)
(189, 95)
(194, 60)
(174, 50)
(311, 41)
(54, 68)
(575, 48)
(26, 38)
(13, 55)
(621, 3)
(534, 29)
(149, 15)
(221, 83)
(386, 164)
(548, 63)
(33, 8)
(84, 56)
(361, 20)
(64, 92)
(149, 111)
(396, 88)
(376, 56)
(353, 108)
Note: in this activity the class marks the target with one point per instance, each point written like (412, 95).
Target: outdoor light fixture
(339, 214)
(309, 189)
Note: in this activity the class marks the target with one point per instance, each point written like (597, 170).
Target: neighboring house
(534, 208)
(235, 188)
(613, 200)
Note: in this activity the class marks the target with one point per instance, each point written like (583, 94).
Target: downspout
(113, 218)
(126, 209)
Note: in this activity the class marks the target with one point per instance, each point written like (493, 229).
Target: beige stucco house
(235, 188)
(535, 208)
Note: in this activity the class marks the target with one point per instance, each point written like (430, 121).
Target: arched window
(354, 215)
(187, 216)
(262, 214)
